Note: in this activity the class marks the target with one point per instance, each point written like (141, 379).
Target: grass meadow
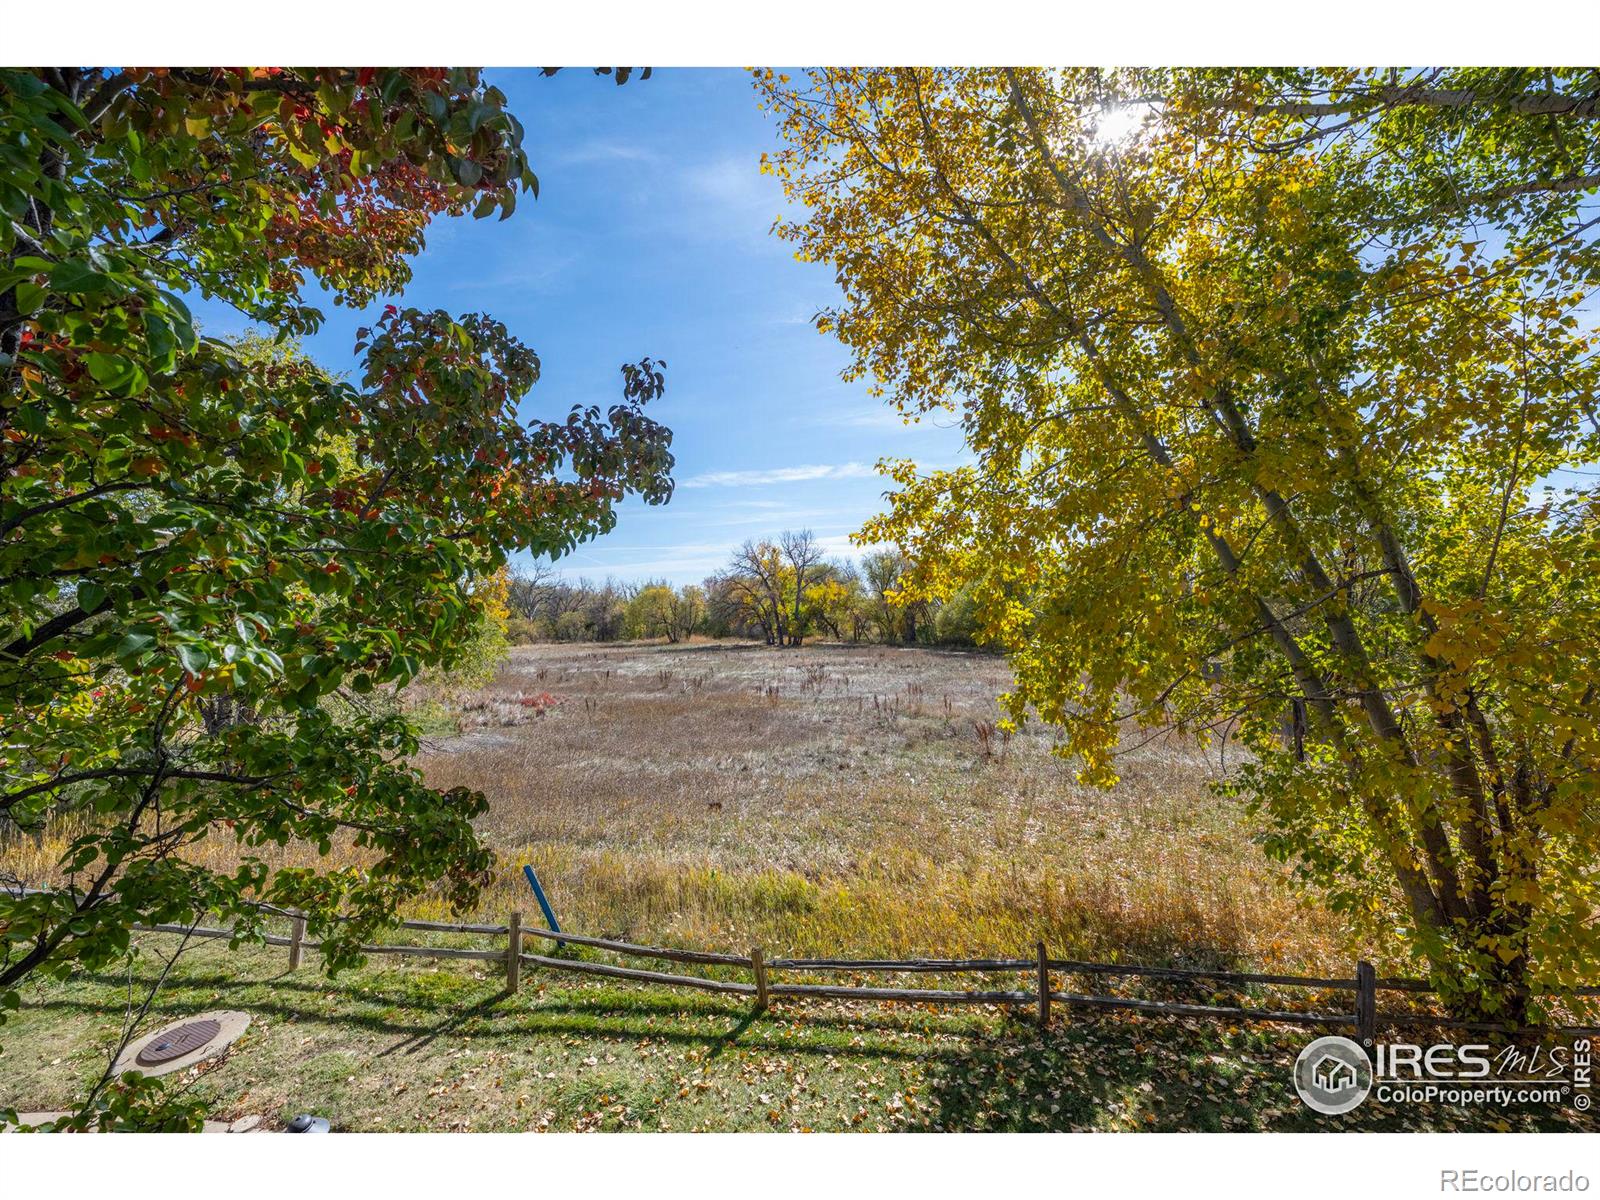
(839, 800)
(851, 801)
(820, 801)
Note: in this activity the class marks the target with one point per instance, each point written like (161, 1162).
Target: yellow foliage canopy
(1274, 382)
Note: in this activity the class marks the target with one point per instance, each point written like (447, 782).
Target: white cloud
(606, 152)
(735, 182)
(849, 470)
(878, 418)
(839, 546)
(541, 275)
(682, 561)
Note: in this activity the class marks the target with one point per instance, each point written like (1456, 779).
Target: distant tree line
(781, 592)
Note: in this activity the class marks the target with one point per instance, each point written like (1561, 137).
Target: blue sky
(650, 236)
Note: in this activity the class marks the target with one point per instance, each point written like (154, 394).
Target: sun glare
(1118, 124)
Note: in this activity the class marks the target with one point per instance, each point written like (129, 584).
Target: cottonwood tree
(1274, 380)
(835, 602)
(801, 554)
(685, 613)
(529, 590)
(188, 527)
(895, 609)
(757, 581)
(659, 610)
(725, 614)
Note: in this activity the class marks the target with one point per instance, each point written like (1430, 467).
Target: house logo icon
(1333, 1075)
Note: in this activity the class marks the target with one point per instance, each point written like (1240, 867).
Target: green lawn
(437, 1046)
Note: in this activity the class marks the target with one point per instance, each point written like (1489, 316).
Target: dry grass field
(840, 800)
(851, 800)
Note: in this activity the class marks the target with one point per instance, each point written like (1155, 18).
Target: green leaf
(134, 643)
(160, 341)
(195, 659)
(79, 278)
(110, 369)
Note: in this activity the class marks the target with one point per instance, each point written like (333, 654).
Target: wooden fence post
(514, 952)
(758, 964)
(1044, 988)
(1366, 1003)
(297, 937)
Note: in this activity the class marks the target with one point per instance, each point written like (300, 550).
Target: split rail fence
(1041, 997)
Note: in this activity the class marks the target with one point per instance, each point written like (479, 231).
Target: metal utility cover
(178, 1041)
(202, 1036)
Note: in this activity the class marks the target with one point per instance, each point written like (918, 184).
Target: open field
(823, 801)
(840, 800)
(843, 800)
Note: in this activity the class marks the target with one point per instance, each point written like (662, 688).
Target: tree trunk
(224, 712)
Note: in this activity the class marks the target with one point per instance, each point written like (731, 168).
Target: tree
(686, 613)
(896, 608)
(657, 610)
(758, 582)
(766, 584)
(800, 553)
(836, 603)
(725, 611)
(604, 609)
(528, 592)
(956, 622)
(546, 600)
(202, 545)
(1269, 376)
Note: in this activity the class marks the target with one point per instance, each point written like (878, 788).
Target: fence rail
(1364, 1017)
(662, 952)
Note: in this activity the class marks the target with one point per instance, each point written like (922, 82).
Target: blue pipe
(538, 894)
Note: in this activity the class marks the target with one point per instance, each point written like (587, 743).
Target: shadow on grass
(734, 1034)
(978, 1071)
(1077, 1077)
(539, 995)
(709, 1026)
(1112, 1072)
(423, 1038)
